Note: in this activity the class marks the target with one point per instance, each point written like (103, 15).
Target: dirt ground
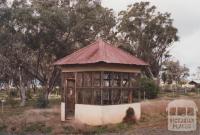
(154, 117)
(32, 121)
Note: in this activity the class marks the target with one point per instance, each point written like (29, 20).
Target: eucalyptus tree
(176, 72)
(12, 51)
(48, 30)
(147, 33)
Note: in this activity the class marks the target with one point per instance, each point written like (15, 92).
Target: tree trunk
(8, 87)
(47, 89)
(50, 84)
(34, 87)
(46, 95)
(22, 89)
(23, 95)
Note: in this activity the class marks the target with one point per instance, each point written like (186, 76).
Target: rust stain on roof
(100, 51)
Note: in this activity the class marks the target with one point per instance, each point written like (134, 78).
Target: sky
(186, 15)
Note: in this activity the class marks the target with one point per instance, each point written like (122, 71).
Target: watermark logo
(182, 115)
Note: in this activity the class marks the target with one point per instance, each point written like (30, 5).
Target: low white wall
(88, 114)
(101, 115)
(62, 111)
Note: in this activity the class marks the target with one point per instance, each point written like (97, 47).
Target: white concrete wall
(62, 111)
(88, 114)
(101, 115)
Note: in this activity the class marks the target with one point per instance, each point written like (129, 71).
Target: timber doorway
(70, 97)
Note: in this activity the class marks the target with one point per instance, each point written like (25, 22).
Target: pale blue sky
(186, 15)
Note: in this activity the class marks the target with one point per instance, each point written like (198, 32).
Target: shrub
(150, 87)
(130, 116)
(41, 102)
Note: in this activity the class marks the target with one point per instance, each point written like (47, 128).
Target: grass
(49, 121)
(70, 129)
(38, 127)
(114, 128)
(12, 117)
(2, 127)
(171, 95)
(13, 107)
(97, 130)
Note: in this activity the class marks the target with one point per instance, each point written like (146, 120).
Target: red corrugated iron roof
(100, 51)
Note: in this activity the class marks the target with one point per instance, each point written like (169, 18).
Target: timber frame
(110, 85)
(100, 76)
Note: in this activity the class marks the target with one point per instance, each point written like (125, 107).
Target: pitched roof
(100, 51)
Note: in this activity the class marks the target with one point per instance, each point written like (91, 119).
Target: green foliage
(34, 36)
(41, 102)
(147, 33)
(164, 77)
(150, 87)
(56, 91)
(176, 72)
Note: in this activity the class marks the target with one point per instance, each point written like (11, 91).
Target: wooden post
(2, 106)
(83, 85)
(130, 90)
(75, 87)
(62, 88)
(186, 111)
(112, 84)
(110, 90)
(101, 87)
(130, 97)
(139, 93)
(121, 88)
(63, 98)
(92, 90)
(173, 92)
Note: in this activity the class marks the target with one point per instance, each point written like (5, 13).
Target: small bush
(130, 116)
(150, 87)
(41, 102)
